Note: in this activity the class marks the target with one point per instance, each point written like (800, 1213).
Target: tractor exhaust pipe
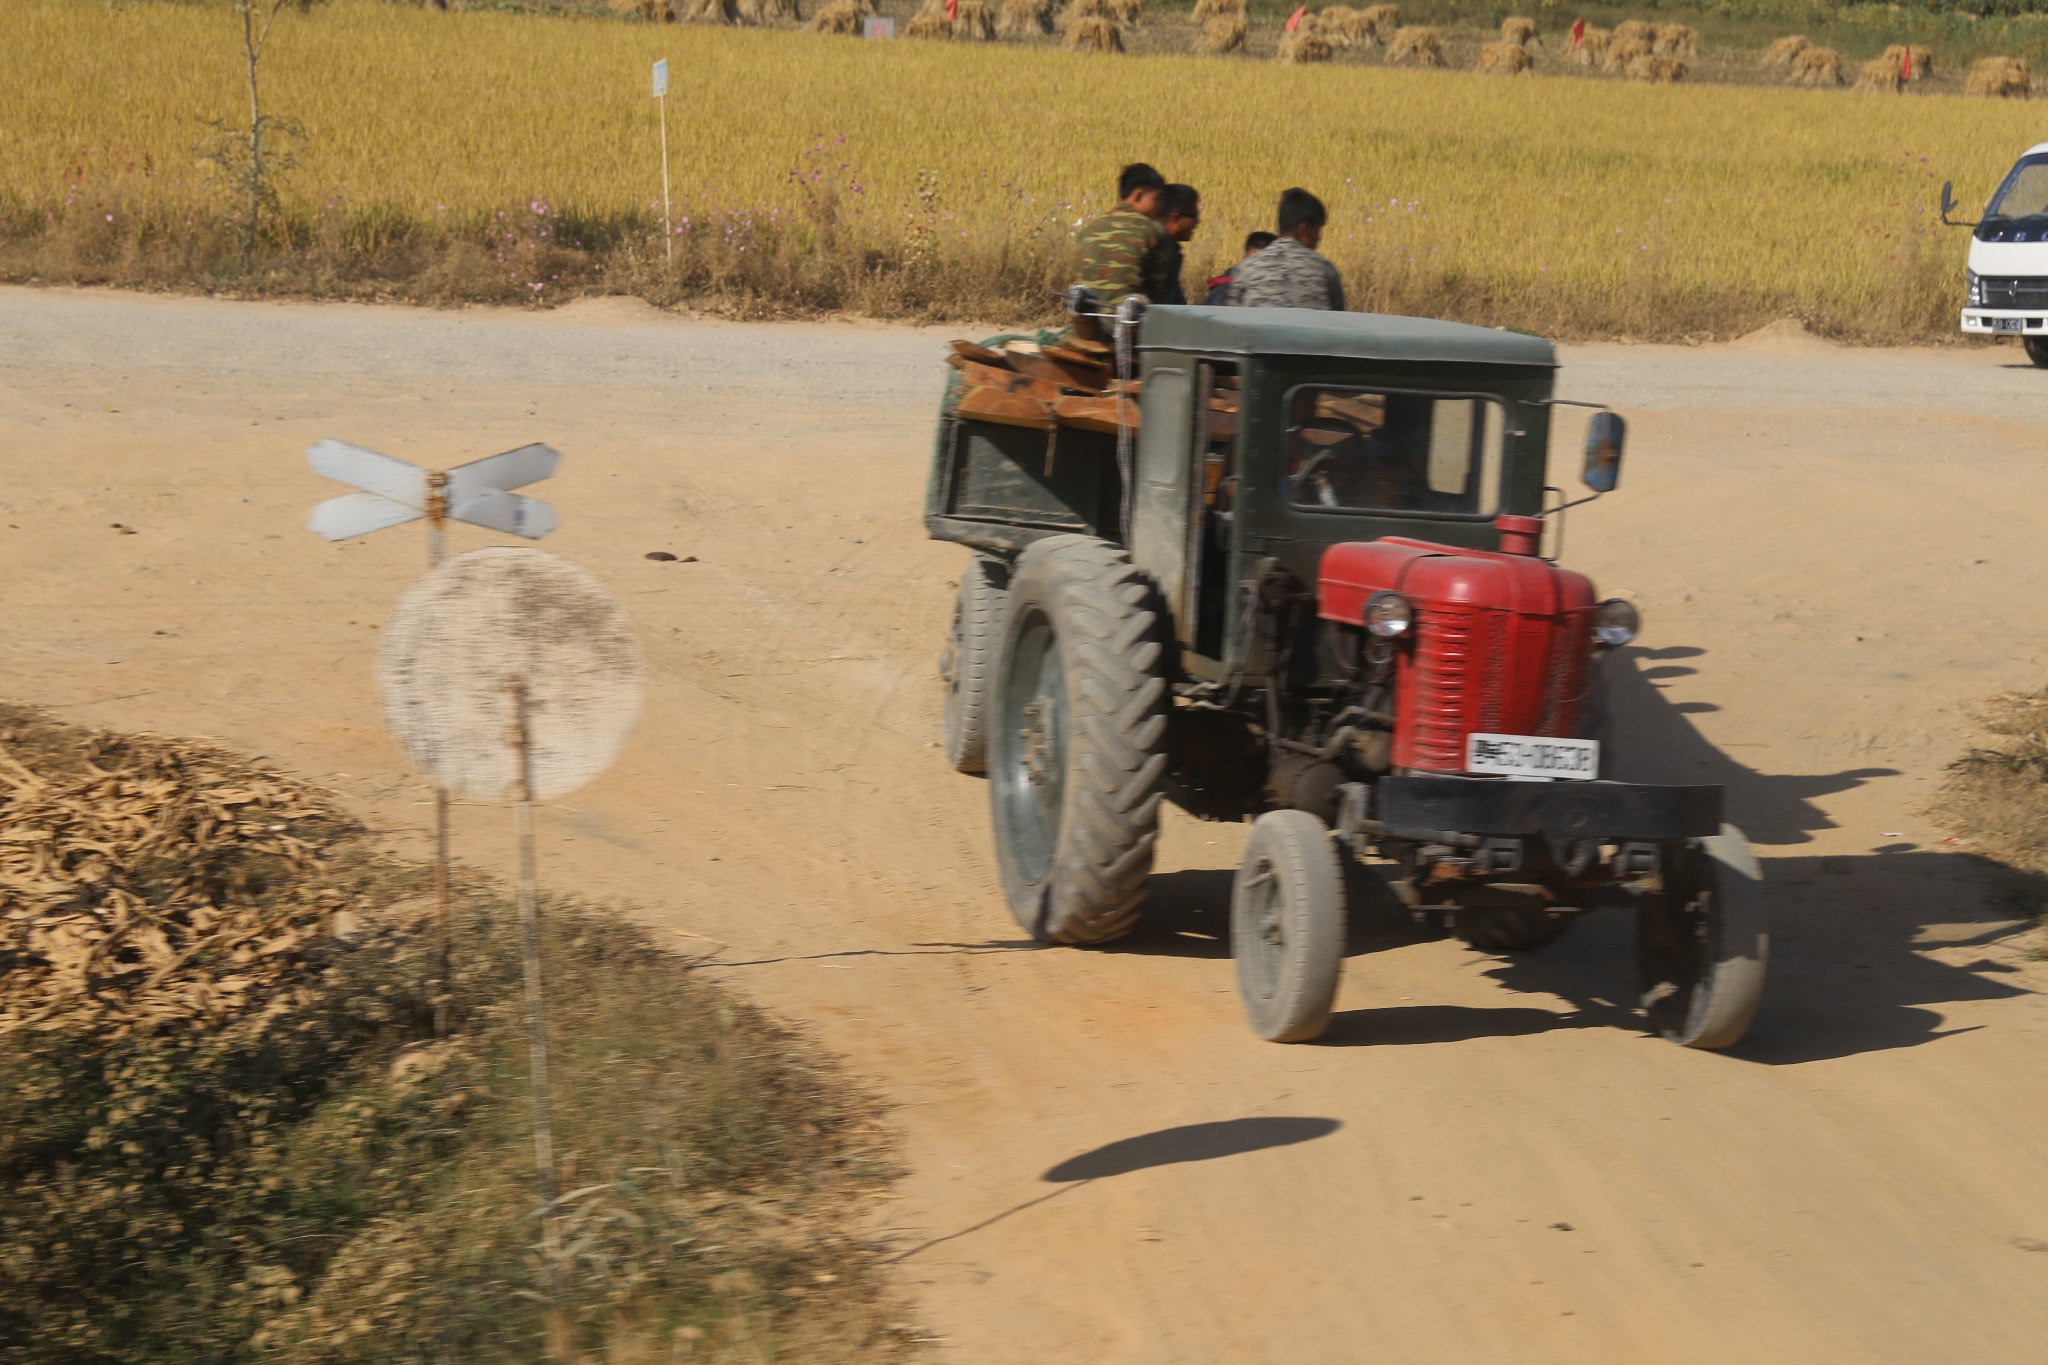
(1519, 535)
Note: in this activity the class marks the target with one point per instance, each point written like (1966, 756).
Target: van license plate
(1571, 760)
(2008, 324)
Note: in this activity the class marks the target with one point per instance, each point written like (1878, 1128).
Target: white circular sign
(476, 635)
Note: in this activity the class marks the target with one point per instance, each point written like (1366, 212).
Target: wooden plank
(1086, 378)
(1009, 381)
(1010, 409)
(1093, 414)
(981, 355)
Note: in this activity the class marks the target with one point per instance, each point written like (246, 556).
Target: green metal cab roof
(1354, 336)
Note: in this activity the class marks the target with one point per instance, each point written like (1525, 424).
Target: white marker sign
(661, 78)
(395, 492)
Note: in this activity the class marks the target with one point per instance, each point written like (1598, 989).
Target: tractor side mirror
(1606, 434)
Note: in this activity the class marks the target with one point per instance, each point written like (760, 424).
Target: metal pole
(444, 984)
(668, 231)
(559, 1344)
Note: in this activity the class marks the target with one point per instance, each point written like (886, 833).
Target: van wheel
(2037, 350)
(1076, 741)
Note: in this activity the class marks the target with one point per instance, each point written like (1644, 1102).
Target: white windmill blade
(373, 473)
(509, 469)
(358, 514)
(508, 512)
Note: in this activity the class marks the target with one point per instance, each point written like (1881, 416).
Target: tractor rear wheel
(1287, 925)
(1076, 741)
(2037, 350)
(1703, 941)
(967, 663)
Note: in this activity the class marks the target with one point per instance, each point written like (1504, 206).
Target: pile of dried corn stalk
(148, 881)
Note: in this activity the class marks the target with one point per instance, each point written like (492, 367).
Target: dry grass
(1999, 78)
(1995, 798)
(1022, 19)
(1415, 47)
(1093, 33)
(1520, 31)
(433, 137)
(1817, 66)
(1880, 76)
(1224, 33)
(1504, 58)
(1655, 69)
(256, 1149)
(1304, 46)
(1782, 52)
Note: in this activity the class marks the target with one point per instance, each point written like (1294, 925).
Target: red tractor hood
(1351, 573)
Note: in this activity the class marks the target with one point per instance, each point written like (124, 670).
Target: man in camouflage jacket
(1126, 251)
(1289, 273)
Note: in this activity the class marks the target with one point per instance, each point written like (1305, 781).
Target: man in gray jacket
(1289, 273)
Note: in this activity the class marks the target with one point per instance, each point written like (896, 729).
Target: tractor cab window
(1366, 451)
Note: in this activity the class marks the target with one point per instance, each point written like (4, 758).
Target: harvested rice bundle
(1999, 78)
(1657, 69)
(1519, 31)
(1634, 28)
(1881, 76)
(707, 11)
(1504, 58)
(972, 22)
(1093, 33)
(1416, 47)
(1205, 10)
(1224, 33)
(1915, 63)
(841, 18)
(1381, 21)
(1022, 19)
(1674, 40)
(1306, 44)
(761, 12)
(1621, 51)
(1782, 53)
(653, 11)
(1592, 46)
(1817, 66)
(1334, 22)
(1128, 13)
(929, 22)
(1088, 9)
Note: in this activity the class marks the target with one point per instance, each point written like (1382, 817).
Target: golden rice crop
(1783, 52)
(2000, 78)
(1694, 203)
(1306, 44)
(1416, 47)
(1093, 33)
(1881, 75)
(1520, 31)
(840, 17)
(1504, 58)
(1224, 33)
(1621, 51)
(1656, 69)
(1025, 19)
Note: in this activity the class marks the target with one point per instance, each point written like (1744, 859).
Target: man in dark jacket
(1219, 285)
(1180, 216)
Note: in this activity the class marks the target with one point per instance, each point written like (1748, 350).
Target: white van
(2008, 270)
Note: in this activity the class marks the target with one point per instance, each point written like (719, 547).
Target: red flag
(1906, 65)
(952, 10)
(1578, 33)
(1294, 19)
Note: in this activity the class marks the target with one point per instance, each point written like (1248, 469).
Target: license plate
(1532, 756)
(2008, 324)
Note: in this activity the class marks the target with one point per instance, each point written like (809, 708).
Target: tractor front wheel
(1076, 741)
(1287, 925)
(1702, 942)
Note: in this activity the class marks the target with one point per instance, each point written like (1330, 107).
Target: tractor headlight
(1389, 615)
(1616, 622)
(1975, 297)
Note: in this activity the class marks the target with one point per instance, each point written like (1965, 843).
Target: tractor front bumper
(1429, 809)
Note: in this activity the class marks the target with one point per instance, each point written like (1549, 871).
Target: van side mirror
(1606, 434)
(1948, 197)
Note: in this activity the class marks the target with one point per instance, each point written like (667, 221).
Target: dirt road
(1836, 552)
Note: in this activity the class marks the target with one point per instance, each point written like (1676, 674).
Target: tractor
(1289, 566)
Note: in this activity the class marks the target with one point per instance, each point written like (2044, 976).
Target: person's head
(1256, 242)
(1140, 187)
(1181, 212)
(1302, 216)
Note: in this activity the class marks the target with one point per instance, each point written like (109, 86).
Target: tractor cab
(1289, 566)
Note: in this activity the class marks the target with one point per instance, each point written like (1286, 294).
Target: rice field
(495, 155)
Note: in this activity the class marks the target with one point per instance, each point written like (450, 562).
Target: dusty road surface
(1835, 552)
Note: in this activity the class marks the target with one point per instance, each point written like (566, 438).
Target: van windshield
(2025, 191)
(1365, 450)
